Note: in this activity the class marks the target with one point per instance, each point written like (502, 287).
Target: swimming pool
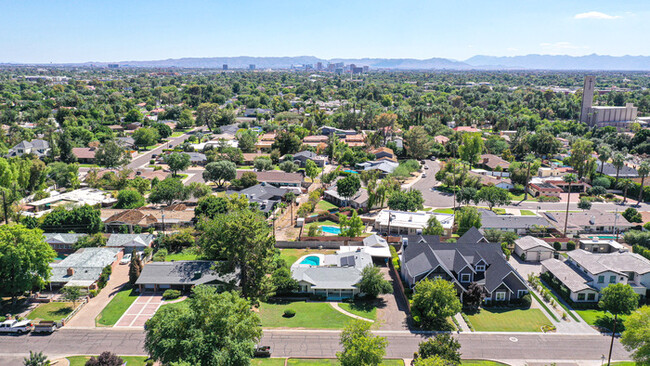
(312, 260)
(331, 229)
(351, 171)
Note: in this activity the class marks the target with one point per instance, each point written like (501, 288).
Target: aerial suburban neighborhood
(297, 211)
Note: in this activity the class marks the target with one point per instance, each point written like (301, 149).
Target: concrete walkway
(85, 318)
(461, 322)
(336, 307)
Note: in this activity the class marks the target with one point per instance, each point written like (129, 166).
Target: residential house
(327, 130)
(521, 225)
(254, 112)
(276, 178)
(490, 180)
(542, 188)
(37, 147)
(610, 170)
(410, 223)
(374, 245)
(315, 140)
(333, 276)
(265, 142)
(183, 275)
(197, 158)
(83, 267)
(130, 242)
(532, 249)
(173, 216)
(116, 128)
(265, 195)
(133, 126)
(384, 153)
(85, 155)
(589, 222)
(468, 129)
(62, 242)
(585, 274)
(598, 245)
(78, 197)
(442, 140)
(359, 200)
(384, 167)
(492, 162)
(125, 142)
(302, 157)
(355, 140)
(462, 263)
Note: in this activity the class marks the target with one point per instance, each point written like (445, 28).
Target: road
(314, 343)
(144, 158)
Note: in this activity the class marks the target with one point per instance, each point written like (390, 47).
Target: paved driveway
(142, 309)
(525, 268)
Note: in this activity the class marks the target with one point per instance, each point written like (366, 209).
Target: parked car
(262, 351)
(126, 259)
(426, 167)
(424, 175)
(15, 326)
(45, 327)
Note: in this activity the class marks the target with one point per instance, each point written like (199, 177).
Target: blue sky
(114, 30)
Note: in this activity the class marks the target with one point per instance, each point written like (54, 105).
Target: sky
(60, 31)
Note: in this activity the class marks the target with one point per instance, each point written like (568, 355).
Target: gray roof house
(424, 256)
(334, 276)
(62, 242)
(589, 222)
(302, 157)
(533, 249)
(360, 200)
(385, 167)
(183, 275)
(624, 172)
(36, 147)
(519, 224)
(130, 241)
(265, 195)
(83, 267)
(197, 158)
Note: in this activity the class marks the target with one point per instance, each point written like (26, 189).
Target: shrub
(570, 245)
(289, 313)
(549, 199)
(526, 301)
(601, 182)
(152, 162)
(171, 294)
(149, 363)
(93, 293)
(557, 245)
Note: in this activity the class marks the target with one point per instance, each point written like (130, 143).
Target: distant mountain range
(528, 62)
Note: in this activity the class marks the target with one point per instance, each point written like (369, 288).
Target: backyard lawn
(290, 256)
(363, 309)
(323, 205)
(185, 255)
(592, 316)
(116, 307)
(508, 320)
(130, 360)
(316, 315)
(53, 311)
(444, 210)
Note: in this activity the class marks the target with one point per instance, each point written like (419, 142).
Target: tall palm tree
(618, 160)
(604, 153)
(644, 170)
(529, 159)
(625, 185)
(569, 178)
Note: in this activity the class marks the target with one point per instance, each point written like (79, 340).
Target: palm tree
(644, 170)
(290, 197)
(618, 160)
(625, 185)
(529, 159)
(604, 153)
(569, 178)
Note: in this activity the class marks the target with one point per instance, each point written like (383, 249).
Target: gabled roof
(184, 273)
(139, 240)
(62, 238)
(570, 276)
(490, 221)
(530, 242)
(472, 236)
(618, 262)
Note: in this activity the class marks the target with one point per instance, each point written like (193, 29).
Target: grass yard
(591, 317)
(527, 213)
(363, 309)
(53, 311)
(499, 211)
(329, 361)
(290, 256)
(444, 210)
(481, 363)
(185, 255)
(179, 304)
(520, 197)
(267, 361)
(316, 315)
(130, 360)
(116, 307)
(508, 320)
(624, 363)
(323, 205)
(554, 296)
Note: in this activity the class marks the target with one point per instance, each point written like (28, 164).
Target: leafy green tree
(348, 187)
(246, 141)
(604, 153)
(471, 148)
(111, 155)
(351, 227)
(65, 145)
(581, 160)
(584, 204)
(434, 227)
(84, 219)
(211, 206)
(95, 240)
(442, 345)
(178, 240)
(262, 163)
(360, 346)
(168, 190)
(142, 185)
(288, 166)
(283, 283)
(493, 196)
(636, 337)
(373, 282)
(177, 162)
(625, 185)
(410, 200)
(252, 255)
(418, 143)
(36, 359)
(618, 299)
(311, 169)
(65, 175)
(632, 215)
(132, 116)
(287, 142)
(466, 195)
(164, 131)
(135, 267)
(129, 198)
(220, 172)
(145, 136)
(467, 217)
(644, 170)
(247, 179)
(435, 301)
(71, 293)
(24, 260)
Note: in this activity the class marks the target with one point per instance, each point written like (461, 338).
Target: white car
(15, 326)
(126, 259)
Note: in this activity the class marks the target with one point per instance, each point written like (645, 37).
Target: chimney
(405, 242)
(70, 271)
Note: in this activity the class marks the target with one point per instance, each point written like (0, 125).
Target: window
(591, 296)
(601, 279)
(521, 293)
(500, 296)
(480, 268)
(465, 277)
(612, 279)
(581, 297)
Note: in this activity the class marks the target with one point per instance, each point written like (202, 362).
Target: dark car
(262, 351)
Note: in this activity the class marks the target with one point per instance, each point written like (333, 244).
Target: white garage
(532, 249)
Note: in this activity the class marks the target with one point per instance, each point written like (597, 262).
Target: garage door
(532, 256)
(545, 255)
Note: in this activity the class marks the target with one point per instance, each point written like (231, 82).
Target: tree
(442, 345)
(246, 141)
(635, 338)
(360, 346)
(65, 145)
(348, 186)
(64, 175)
(145, 136)
(604, 153)
(24, 260)
(252, 255)
(168, 190)
(632, 215)
(287, 142)
(129, 198)
(434, 227)
(493, 196)
(177, 162)
(105, 359)
(288, 166)
(569, 178)
(626, 185)
(71, 293)
(581, 160)
(262, 163)
(311, 169)
(291, 198)
(471, 148)
(36, 359)
(135, 267)
(208, 114)
(283, 282)
(247, 179)
(644, 170)
(435, 300)
(466, 218)
(474, 296)
(410, 200)
(618, 299)
(111, 155)
(417, 143)
(84, 219)
(351, 227)
(96, 240)
(199, 190)
(220, 172)
(584, 204)
(466, 195)
(164, 131)
(373, 283)
(132, 116)
(618, 161)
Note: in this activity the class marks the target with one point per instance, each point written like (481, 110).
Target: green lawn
(527, 213)
(566, 310)
(130, 360)
(177, 133)
(508, 320)
(499, 211)
(323, 205)
(481, 363)
(53, 311)
(624, 363)
(316, 315)
(116, 307)
(267, 361)
(444, 210)
(88, 166)
(363, 309)
(179, 304)
(185, 255)
(520, 197)
(290, 256)
(328, 361)
(591, 316)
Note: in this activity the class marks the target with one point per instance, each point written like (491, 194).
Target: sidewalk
(86, 316)
(461, 322)
(338, 308)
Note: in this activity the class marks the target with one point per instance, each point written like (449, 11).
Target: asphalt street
(315, 343)
(143, 159)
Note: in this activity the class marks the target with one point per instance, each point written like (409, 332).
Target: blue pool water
(311, 260)
(351, 171)
(331, 229)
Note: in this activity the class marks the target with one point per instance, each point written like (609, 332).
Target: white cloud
(595, 15)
